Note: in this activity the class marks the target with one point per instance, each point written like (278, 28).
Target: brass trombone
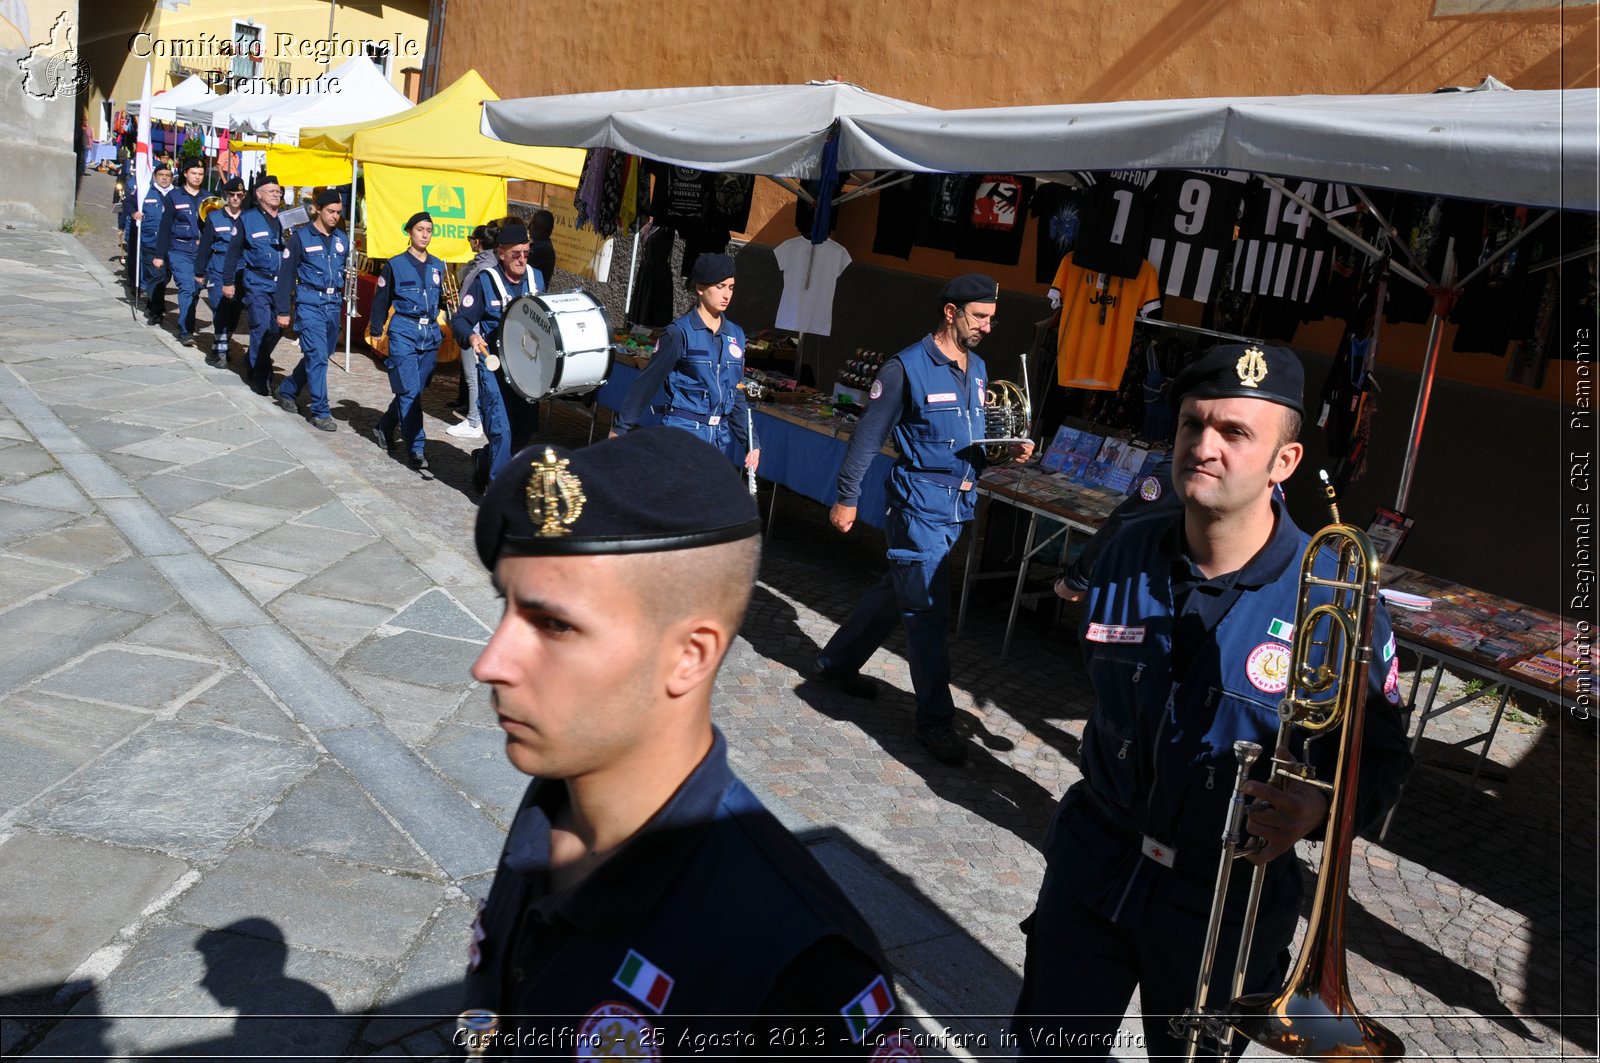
(1312, 1014)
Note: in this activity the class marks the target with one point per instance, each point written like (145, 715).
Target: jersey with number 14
(1283, 246)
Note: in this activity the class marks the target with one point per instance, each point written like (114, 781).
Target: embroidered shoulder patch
(1268, 667)
(876, 390)
(384, 284)
(643, 979)
(615, 1031)
(1150, 489)
(1391, 682)
(466, 300)
(898, 1045)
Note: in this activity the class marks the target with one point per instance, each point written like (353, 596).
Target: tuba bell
(1312, 1014)
(207, 205)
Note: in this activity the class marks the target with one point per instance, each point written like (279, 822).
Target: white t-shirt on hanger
(810, 273)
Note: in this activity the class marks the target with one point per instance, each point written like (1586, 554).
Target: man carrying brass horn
(1187, 628)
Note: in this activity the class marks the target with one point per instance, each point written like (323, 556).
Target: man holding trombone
(1187, 630)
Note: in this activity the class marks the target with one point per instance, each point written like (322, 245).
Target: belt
(949, 479)
(323, 291)
(712, 419)
(1194, 861)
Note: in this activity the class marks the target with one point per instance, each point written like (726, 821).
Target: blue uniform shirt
(218, 233)
(934, 410)
(256, 250)
(712, 920)
(483, 307)
(313, 269)
(701, 371)
(413, 288)
(152, 206)
(180, 223)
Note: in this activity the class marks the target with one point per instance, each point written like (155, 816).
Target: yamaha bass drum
(555, 345)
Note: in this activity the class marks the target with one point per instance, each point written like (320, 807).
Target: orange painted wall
(957, 53)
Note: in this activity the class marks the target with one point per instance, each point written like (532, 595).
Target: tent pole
(350, 305)
(1506, 247)
(1441, 304)
(633, 272)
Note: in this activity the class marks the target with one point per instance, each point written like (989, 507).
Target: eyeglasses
(516, 254)
(235, 193)
(990, 320)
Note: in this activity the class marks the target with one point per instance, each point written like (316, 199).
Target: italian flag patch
(644, 980)
(1281, 629)
(863, 1013)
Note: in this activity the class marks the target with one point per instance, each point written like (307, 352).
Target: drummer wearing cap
(220, 227)
(508, 420)
(312, 281)
(930, 396)
(412, 282)
(645, 898)
(256, 253)
(699, 359)
(1186, 632)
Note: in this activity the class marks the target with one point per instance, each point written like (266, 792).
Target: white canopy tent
(357, 92)
(219, 112)
(1531, 148)
(164, 107)
(776, 130)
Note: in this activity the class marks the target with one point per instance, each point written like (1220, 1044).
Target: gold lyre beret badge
(555, 495)
(1252, 367)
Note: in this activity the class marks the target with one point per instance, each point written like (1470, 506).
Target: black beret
(328, 197)
(970, 288)
(192, 164)
(712, 268)
(1244, 370)
(233, 184)
(161, 164)
(650, 490)
(510, 235)
(420, 215)
(265, 180)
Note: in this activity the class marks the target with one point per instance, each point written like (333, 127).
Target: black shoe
(186, 339)
(941, 740)
(326, 424)
(419, 462)
(853, 683)
(480, 481)
(214, 359)
(260, 389)
(382, 438)
(286, 404)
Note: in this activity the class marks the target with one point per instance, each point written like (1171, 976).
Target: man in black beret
(645, 897)
(1187, 628)
(931, 397)
(312, 278)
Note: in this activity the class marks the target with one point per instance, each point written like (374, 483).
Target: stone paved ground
(245, 773)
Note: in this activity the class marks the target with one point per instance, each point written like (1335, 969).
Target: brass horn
(1312, 1014)
(207, 205)
(1007, 415)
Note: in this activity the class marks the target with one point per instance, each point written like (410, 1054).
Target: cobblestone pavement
(245, 772)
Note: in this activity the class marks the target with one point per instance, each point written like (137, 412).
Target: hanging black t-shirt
(683, 195)
(1193, 214)
(1283, 247)
(942, 209)
(1059, 210)
(1113, 236)
(897, 221)
(995, 216)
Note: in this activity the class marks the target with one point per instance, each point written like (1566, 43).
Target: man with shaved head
(646, 904)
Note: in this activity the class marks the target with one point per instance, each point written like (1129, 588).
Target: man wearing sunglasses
(220, 227)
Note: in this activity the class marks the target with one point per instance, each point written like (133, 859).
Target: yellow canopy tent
(418, 156)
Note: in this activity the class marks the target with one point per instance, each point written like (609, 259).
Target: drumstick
(749, 442)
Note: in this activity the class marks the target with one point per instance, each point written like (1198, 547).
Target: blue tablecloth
(802, 459)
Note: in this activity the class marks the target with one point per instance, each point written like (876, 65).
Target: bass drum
(554, 345)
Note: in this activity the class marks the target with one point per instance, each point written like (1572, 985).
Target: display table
(1478, 634)
(1076, 504)
(801, 448)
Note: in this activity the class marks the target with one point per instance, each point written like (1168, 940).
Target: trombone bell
(1298, 1021)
